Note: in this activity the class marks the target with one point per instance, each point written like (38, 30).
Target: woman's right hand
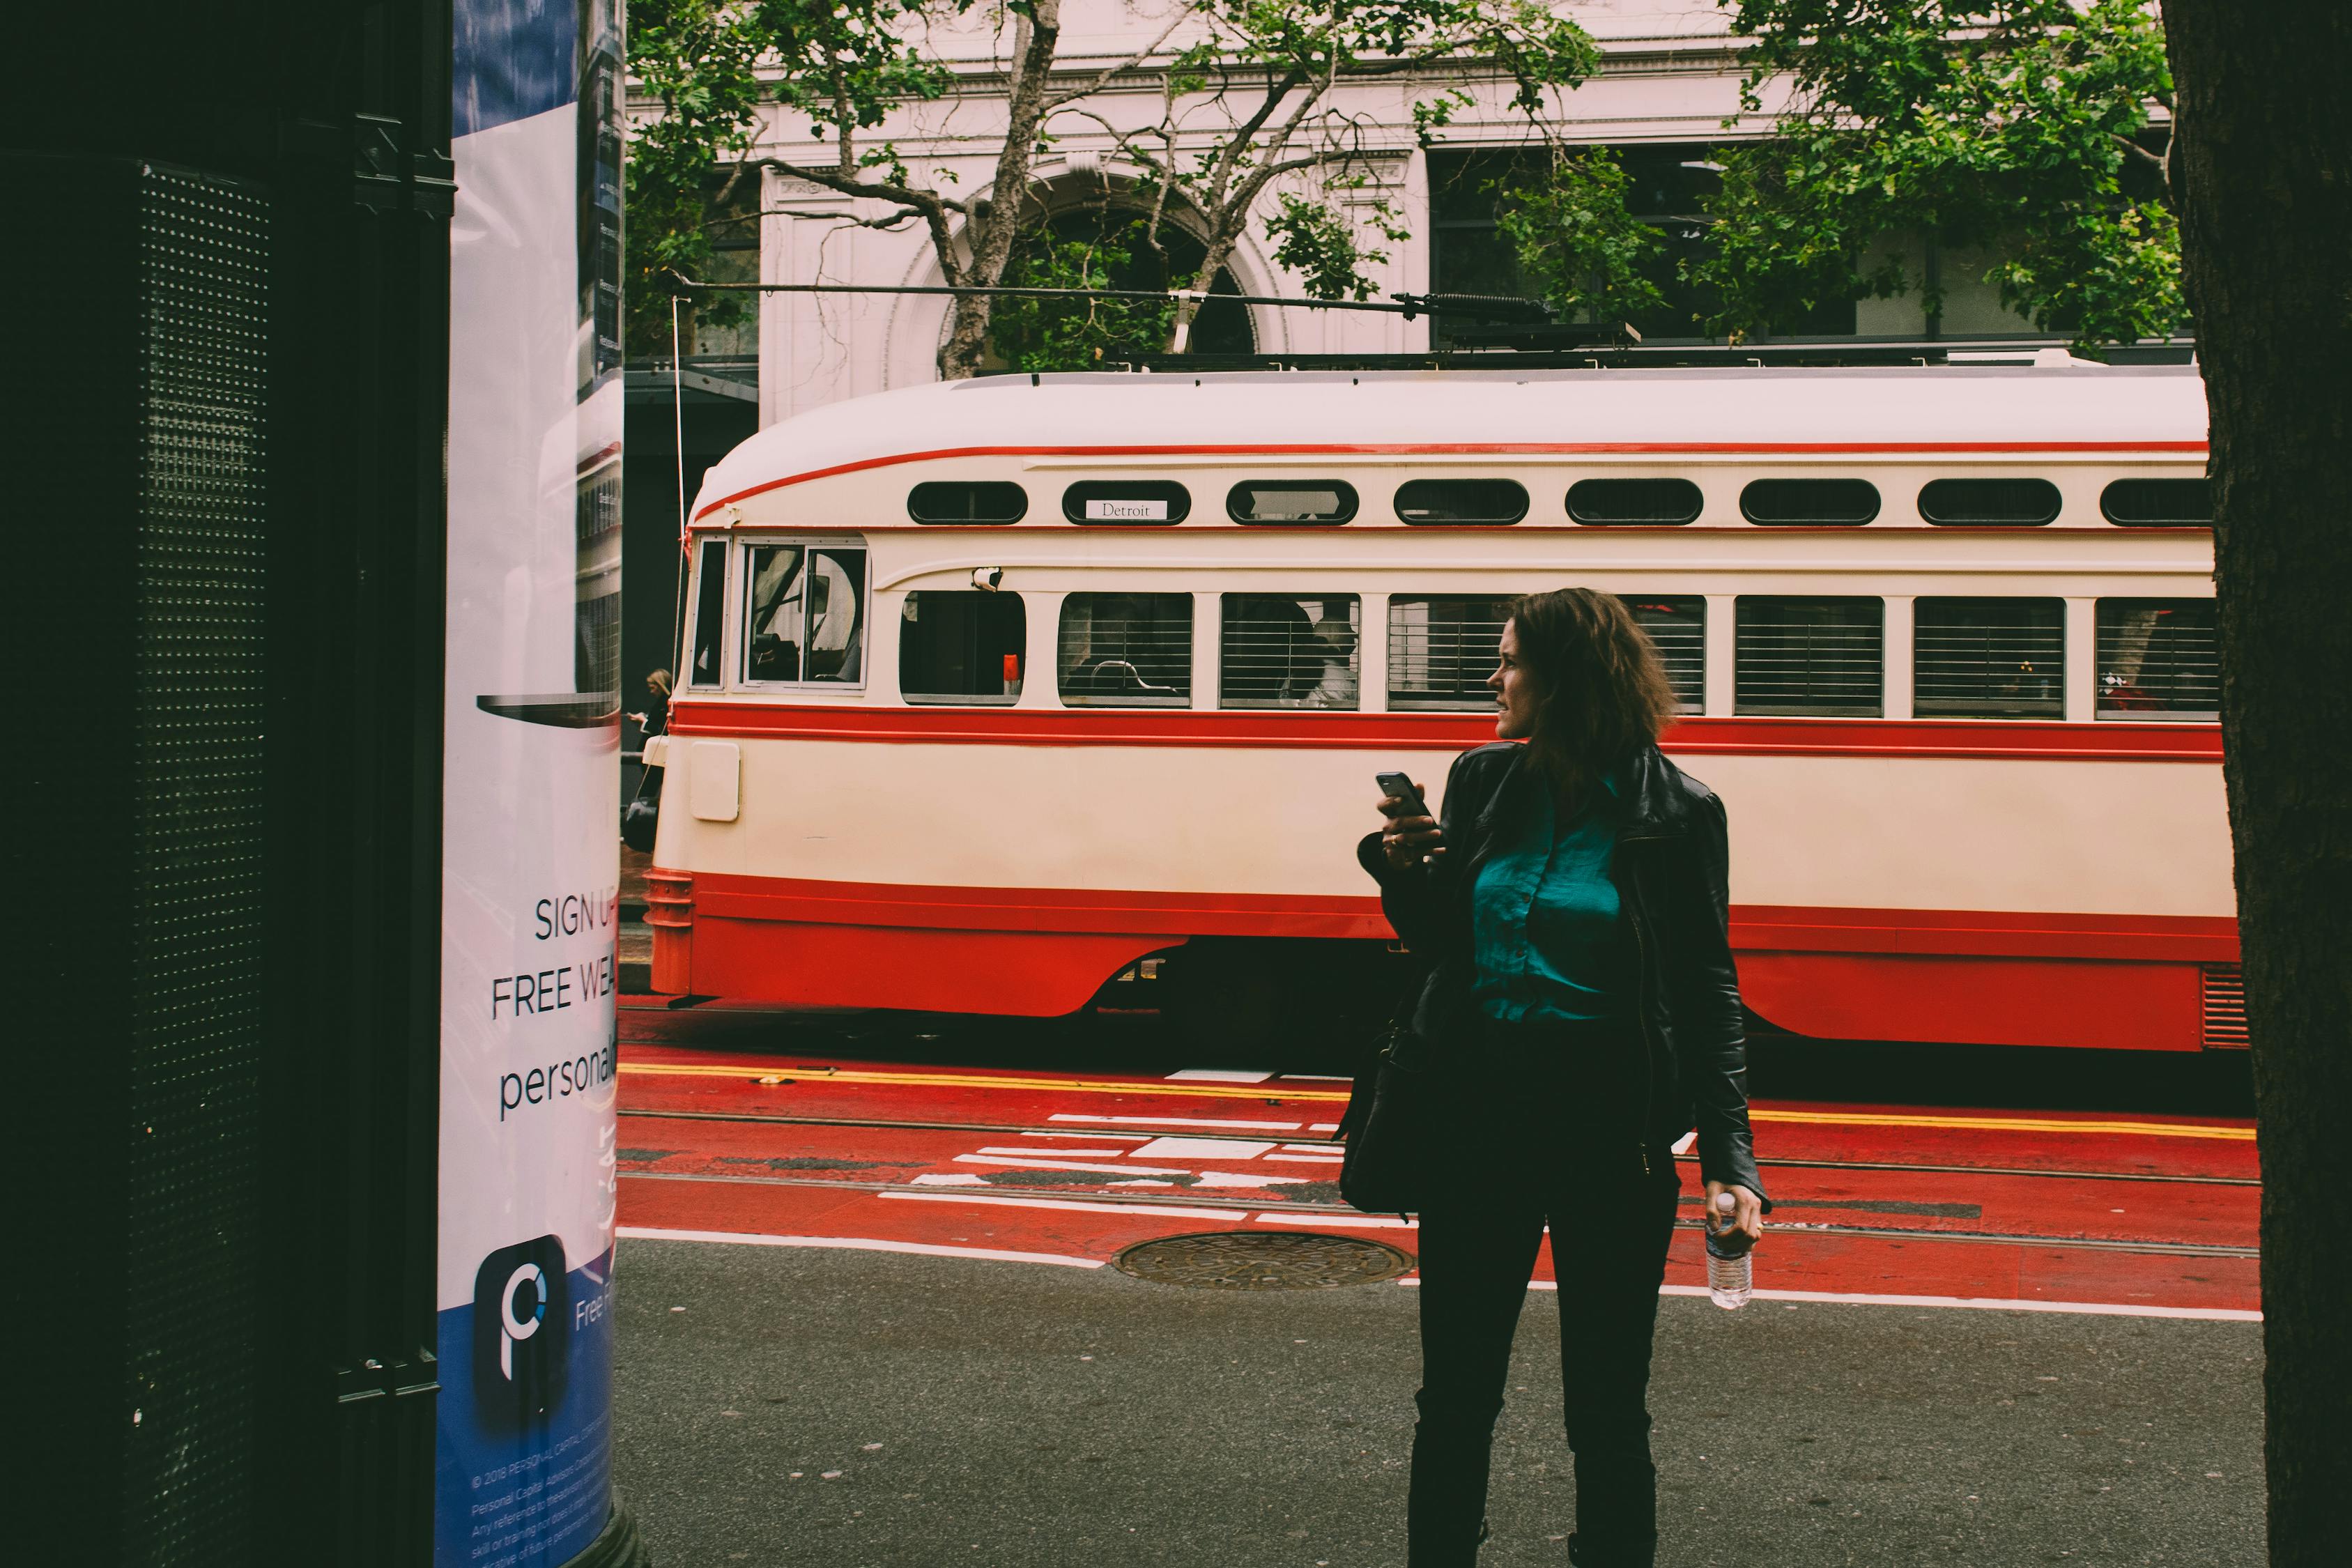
(1412, 835)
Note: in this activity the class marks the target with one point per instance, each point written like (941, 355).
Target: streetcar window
(960, 644)
(1291, 500)
(1822, 503)
(1809, 656)
(2010, 503)
(803, 613)
(1285, 652)
(1992, 658)
(1126, 651)
(1441, 649)
(1461, 500)
(2158, 659)
(1143, 501)
(706, 668)
(1677, 625)
(2159, 503)
(965, 501)
(1634, 504)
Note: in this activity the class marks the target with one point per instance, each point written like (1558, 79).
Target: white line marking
(1167, 1210)
(1243, 1179)
(943, 1179)
(1338, 1221)
(1064, 1154)
(1201, 1148)
(1324, 1127)
(1332, 1149)
(1684, 1143)
(1069, 1165)
(1178, 1121)
(1132, 1137)
(853, 1244)
(1218, 1075)
(1312, 1159)
(1986, 1303)
(1141, 1182)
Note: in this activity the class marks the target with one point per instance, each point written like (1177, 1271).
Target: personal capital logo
(521, 1329)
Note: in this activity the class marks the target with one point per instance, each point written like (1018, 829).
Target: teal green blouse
(1543, 920)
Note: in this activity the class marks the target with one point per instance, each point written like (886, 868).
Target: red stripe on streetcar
(2123, 742)
(1469, 449)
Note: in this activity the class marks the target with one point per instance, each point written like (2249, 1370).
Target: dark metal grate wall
(195, 1112)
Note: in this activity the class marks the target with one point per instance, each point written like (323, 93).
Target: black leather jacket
(1671, 871)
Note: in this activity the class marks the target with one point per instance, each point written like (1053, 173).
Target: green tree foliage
(2026, 130)
(1576, 240)
(1095, 249)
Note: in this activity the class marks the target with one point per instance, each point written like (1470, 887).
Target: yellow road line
(1275, 1092)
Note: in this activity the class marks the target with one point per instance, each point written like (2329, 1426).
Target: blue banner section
(514, 59)
(523, 1478)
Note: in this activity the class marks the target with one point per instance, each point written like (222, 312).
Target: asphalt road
(878, 1410)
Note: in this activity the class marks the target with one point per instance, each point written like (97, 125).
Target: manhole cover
(1264, 1260)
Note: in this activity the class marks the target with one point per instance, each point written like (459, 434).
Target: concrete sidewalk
(878, 1410)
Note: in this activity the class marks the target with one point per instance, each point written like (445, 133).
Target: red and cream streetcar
(993, 690)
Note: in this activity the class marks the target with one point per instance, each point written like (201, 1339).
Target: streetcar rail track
(1014, 1128)
(1063, 1195)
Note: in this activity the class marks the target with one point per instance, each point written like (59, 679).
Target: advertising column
(531, 805)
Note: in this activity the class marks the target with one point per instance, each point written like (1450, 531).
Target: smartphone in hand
(1402, 788)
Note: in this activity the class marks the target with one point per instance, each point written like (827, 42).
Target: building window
(1145, 501)
(1677, 625)
(968, 501)
(1291, 500)
(1817, 504)
(1461, 500)
(804, 613)
(1992, 658)
(2158, 659)
(706, 666)
(960, 644)
(1809, 656)
(2159, 503)
(1126, 651)
(1281, 651)
(1996, 503)
(1441, 649)
(1634, 504)
(1667, 187)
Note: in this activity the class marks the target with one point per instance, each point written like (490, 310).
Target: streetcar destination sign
(1127, 511)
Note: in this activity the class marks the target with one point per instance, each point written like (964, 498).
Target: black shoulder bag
(1385, 1129)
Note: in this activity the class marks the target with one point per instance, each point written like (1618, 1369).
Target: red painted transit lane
(2111, 1213)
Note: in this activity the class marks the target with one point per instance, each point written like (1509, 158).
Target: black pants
(1499, 1177)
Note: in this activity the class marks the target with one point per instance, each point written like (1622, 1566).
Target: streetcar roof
(1986, 410)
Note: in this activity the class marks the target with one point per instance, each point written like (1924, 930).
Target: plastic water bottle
(1730, 1270)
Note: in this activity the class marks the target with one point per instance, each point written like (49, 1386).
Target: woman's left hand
(1747, 1213)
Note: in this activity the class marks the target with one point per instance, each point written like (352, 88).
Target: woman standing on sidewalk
(1580, 1014)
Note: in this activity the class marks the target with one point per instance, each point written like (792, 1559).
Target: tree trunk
(2262, 167)
(1036, 37)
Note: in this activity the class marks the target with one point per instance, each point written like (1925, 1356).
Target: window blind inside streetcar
(1442, 648)
(1126, 651)
(2159, 503)
(1677, 625)
(1989, 658)
(803, 613)
(706, 666)
(1281, 651)
(1820, 656)
(1461, 500)
(2158, 659)
(1291, 500)
(960, 644)
(1989, 503)
(1145, 501)
(968, 501)
(1820, 503)
(1634, 504)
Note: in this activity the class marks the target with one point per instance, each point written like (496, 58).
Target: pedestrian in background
(655, 720)
(1579, 1015)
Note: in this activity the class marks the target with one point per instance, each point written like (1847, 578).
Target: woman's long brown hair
(1605, 690)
